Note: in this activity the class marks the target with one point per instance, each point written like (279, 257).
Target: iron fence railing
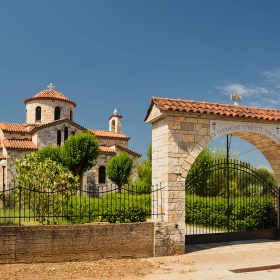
(230, 196)
(29, 206)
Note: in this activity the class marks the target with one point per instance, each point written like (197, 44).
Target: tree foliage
(43, 186)
(50, 152)
(211, 176)
(119, 168)
(79, 152)
(43, 175)
(144, 172)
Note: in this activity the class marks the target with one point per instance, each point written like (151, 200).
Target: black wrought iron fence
(29, 206)
(230, 196)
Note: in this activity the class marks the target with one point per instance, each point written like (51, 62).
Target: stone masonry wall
(176, 141)
(47, 110)
(10, 172)
(112, 141)
(48, 136)
(29, 244)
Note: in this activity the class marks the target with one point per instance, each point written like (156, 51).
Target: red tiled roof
(105, 149)
(13, 127)
(50, 94)
(37, 127)
(127, 150)
(179, 105)
(108, 149)
(19, 144)
(3, 157)
(105, 133)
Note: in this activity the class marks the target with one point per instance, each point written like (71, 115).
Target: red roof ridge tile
(126, 149)
(107, 133)
(55, 122)
(50, 94)
(170, 104)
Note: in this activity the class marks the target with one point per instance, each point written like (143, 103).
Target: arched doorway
(181, 129)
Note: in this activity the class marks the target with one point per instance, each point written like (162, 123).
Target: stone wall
(48, 137)
(47, 110)
(176, 141)
(113, 141)
(29, 244)
(10, 171)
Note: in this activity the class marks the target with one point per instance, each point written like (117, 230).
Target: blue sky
(118, 54)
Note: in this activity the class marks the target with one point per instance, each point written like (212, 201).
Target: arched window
(57, 113)
(65, 133)
(73, 133)
(71, 115)
(102, 174)
(38, 113)
(113, 126)
(58, 138)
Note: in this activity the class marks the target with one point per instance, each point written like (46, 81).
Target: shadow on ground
(200, 247)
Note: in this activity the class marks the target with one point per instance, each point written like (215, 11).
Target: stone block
(188, 138)
(180, 119)
(174, 125)
(190, 159)
(187, 126)
(203, 131)
(205, 121)
(175, 137)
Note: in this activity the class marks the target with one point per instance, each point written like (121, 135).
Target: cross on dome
(50, 86)
(235, 97)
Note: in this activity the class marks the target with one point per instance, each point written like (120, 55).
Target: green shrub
(113, 208)
(246, 213)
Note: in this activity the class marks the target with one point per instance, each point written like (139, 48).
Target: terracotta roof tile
(108, 149)
(3, 157)
(179, 105)
(50, 94)
(13, 127)
(19, 144)
(37, 127)
(105, 149)
(127, 150)
(105, 133)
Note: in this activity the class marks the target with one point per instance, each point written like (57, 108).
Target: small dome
(50, 94)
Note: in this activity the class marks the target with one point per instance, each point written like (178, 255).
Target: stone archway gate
(181, 129)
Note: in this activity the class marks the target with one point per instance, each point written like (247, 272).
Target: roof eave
(49, 98)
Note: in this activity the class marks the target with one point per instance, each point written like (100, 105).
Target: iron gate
(229, 200)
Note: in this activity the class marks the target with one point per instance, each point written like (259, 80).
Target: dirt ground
(101, 269)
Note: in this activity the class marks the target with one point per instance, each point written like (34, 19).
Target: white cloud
(265, 96)
(242, 90)
(272, 77)
(265, 103)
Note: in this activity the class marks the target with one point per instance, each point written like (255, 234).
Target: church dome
(49, 94)
(48, 105)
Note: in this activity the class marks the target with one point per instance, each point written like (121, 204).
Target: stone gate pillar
(169, 212)
(181, 129)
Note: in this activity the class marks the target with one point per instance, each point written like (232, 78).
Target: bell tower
(115, 122)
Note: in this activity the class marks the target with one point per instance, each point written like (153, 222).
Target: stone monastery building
(50, 121)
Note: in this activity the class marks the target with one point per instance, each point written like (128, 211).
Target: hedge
(246, 213)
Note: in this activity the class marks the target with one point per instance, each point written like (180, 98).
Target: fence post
(278, 209)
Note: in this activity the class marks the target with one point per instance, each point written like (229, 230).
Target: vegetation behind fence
(27, 206)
